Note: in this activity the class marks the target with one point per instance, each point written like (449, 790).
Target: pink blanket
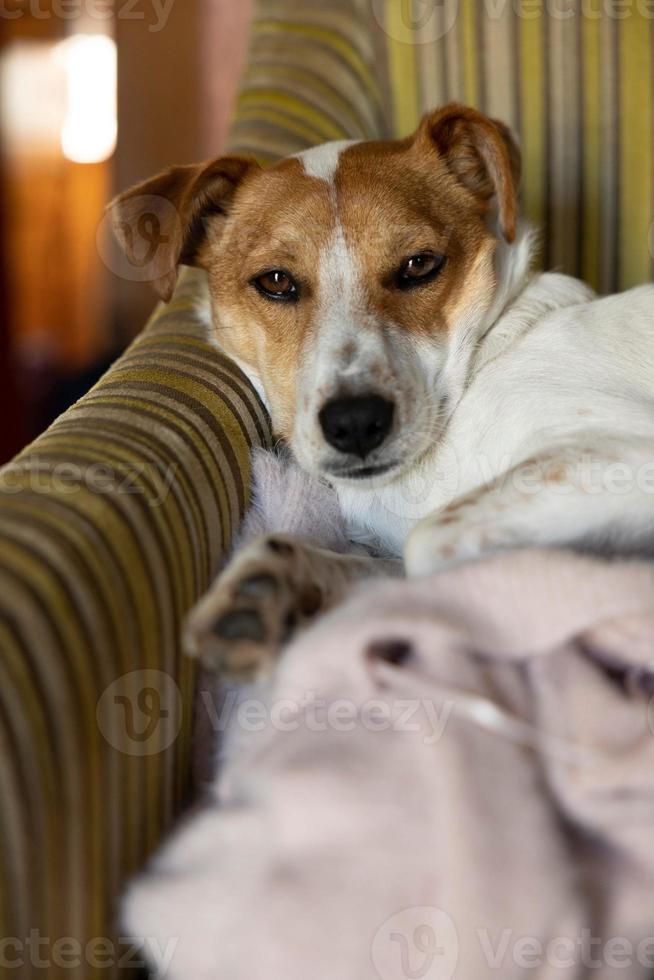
(450, 778)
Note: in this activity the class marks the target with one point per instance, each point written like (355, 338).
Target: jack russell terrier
(380, 297)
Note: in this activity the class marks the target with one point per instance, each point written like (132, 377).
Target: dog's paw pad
(258, 586)
(241, 624)
(256, 607)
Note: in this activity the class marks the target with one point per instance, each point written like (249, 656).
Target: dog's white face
(352, 280)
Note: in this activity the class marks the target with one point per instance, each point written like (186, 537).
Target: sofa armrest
(111, 525)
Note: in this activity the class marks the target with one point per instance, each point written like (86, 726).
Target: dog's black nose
(357, 425)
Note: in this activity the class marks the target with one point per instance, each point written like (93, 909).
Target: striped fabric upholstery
(312, 76)
(112, 523)
(575, 78)
(111, 526)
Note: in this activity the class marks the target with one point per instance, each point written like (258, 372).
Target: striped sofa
(113, 522)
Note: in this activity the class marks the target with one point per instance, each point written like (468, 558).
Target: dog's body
(552, 442)
(380, 296)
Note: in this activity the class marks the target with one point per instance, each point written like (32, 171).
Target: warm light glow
(32, 98)
(90, 125)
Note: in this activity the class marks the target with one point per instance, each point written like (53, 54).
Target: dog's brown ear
(162, 222)
(482, 154)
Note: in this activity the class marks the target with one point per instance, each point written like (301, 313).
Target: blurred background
(95, 95)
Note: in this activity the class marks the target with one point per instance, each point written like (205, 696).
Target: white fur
(322, 161)
(548, 370)
(562, 377)
(421, 375)
(288, 499)
(353, 352)
(346, 345)
(254, 380)
(538, 369)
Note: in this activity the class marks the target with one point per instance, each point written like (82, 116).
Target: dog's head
(353, 280)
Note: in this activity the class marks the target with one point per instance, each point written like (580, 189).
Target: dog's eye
(276, 284)
(419, 269)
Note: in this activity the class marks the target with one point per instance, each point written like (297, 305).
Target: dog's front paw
(256, 606)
